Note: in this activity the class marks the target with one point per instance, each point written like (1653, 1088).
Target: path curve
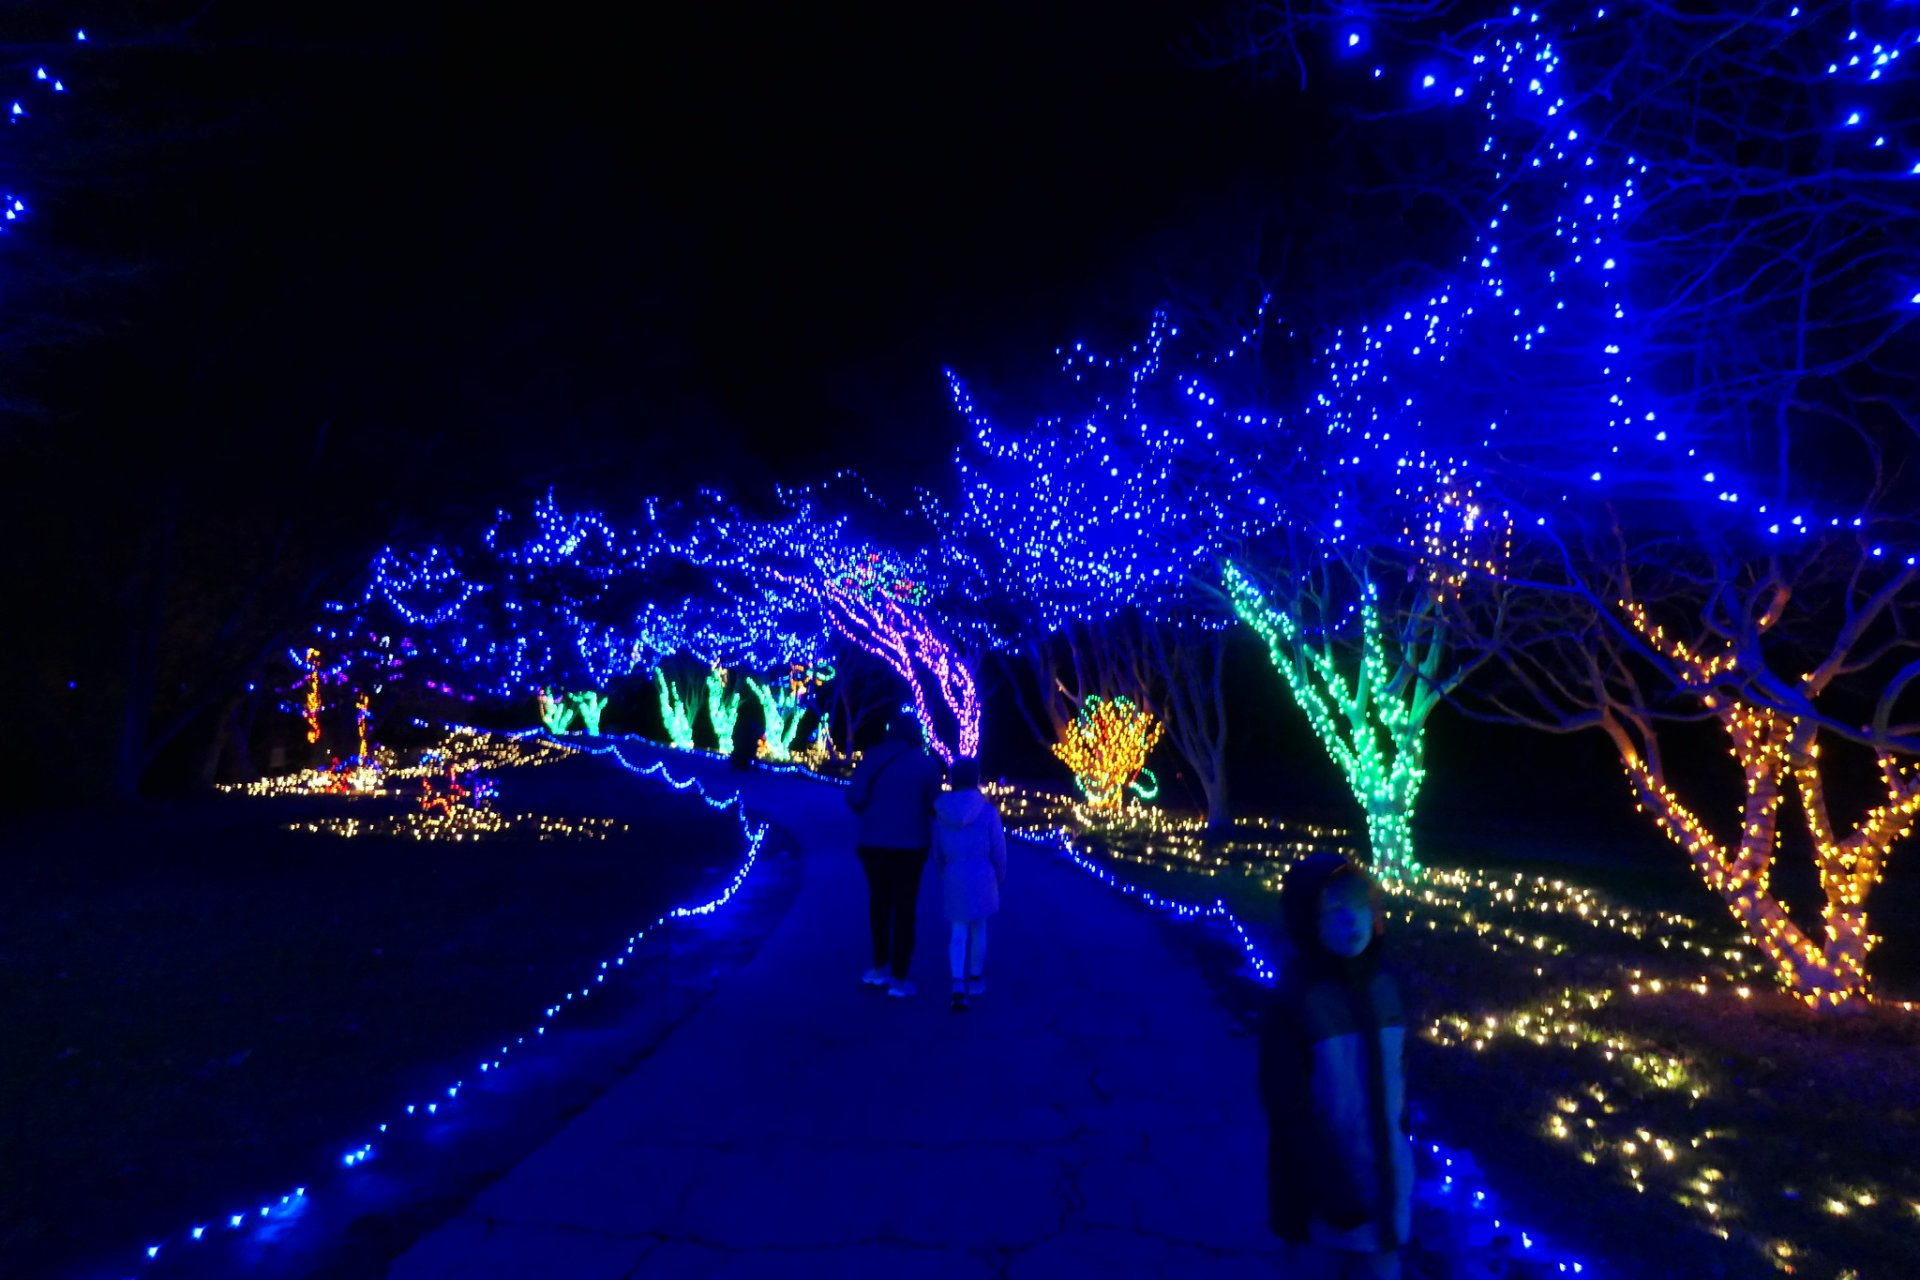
(1093, 1115)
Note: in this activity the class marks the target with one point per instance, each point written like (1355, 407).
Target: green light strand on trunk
(783, 716)
(1369, 724)
(589, 704)
(675, 714)
(723, 708)
(555, 713)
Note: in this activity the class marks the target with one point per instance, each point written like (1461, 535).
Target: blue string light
(1564, 194)
(292, 1203)
(1479, 1198)
(12, 206)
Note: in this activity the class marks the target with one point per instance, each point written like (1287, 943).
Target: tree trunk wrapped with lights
(591, 704)
(677, 711)
(1372, 721)
(779, 701)
(919, 653)
(1779, 758)
(556, 714)
(723, 707)
(807, 564)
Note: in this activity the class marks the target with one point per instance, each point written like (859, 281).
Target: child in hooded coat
(970, 846)
(1339, 1167)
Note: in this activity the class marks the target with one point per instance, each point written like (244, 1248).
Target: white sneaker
(876, 977)
(976, 986)
(901, 989)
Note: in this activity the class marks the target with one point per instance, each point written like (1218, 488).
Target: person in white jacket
(970, 848)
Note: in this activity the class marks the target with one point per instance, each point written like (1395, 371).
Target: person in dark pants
(893, 790)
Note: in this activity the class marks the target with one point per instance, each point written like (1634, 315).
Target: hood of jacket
(959, 808)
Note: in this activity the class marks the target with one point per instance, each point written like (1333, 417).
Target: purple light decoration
(888, 604)
(908, 643)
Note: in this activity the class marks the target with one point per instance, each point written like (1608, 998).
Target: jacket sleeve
(860, 786)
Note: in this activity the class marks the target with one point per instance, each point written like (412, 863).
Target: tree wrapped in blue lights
(893, 605)
(752, 635)
(548, 604)
(1099, 528)
(1112, 523)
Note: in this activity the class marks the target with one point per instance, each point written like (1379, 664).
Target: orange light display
(1107, 746)
(1779, 755)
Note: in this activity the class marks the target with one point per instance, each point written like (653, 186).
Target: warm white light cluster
(466, 823)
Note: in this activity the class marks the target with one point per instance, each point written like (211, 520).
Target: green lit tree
(679, 702)
(1363, 627)
(723, 705)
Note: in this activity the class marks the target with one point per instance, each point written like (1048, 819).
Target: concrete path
(1091, 1115)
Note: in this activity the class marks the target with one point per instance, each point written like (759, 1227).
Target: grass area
(1585, 1034)
(204, 1005)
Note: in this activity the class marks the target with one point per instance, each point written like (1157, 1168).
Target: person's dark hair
(1301, 890)
(964, 774)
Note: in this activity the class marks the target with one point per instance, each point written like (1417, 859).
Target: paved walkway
(1091, 1115)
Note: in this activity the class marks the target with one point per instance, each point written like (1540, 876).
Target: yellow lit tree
(1643, 618)
(1107, 746)
(1779, 757)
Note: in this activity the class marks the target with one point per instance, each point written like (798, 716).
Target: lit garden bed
(205, 1009)
(1628, 1073)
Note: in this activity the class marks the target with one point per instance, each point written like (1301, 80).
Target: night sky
(713, 245)
(347, 276)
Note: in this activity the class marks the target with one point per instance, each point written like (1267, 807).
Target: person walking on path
(893, 790)
(970, 848)
(1339, 1166)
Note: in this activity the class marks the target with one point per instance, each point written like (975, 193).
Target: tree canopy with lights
(898, 605)
(1098, 523)
(1678, 352)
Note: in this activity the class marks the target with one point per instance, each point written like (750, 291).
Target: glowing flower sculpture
(1107, 746)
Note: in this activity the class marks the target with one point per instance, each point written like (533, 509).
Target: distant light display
(676, 714)
(556, 713)
(313, 705)
(723, 706)
(1106, 746)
